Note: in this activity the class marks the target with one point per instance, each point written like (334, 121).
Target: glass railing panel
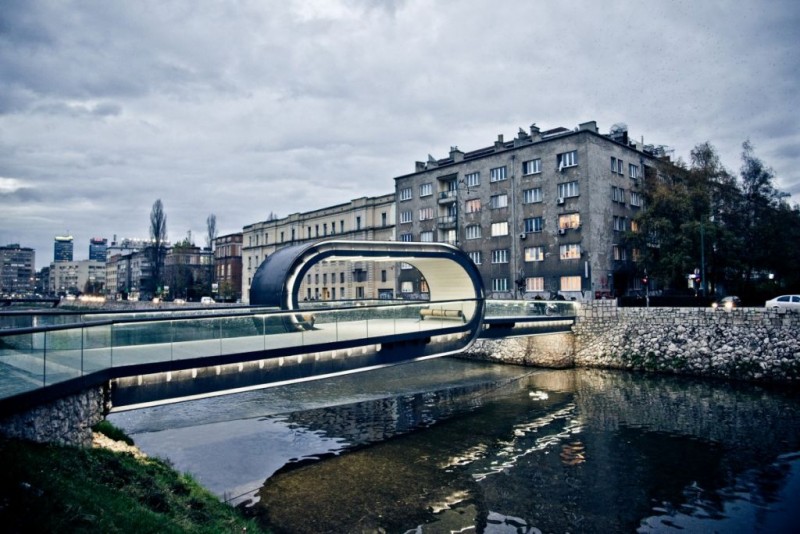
(63, 357)
(141, 342)
(97, 348)
(242, 334)
(21, 363)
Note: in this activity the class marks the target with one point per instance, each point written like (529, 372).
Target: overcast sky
(250, 107)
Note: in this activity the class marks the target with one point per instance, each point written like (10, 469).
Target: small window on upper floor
(616, 165)
(473, 179)
(533, 166)
(497, 174)
(405, 193)
(633, 170)
(567, 159)
(425, 190)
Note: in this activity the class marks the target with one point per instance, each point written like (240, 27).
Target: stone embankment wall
(67, 421)
(744, 344)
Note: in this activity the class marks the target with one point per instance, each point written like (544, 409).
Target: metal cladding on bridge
(449, 272)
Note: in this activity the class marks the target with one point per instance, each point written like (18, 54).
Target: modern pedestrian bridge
(155, 356)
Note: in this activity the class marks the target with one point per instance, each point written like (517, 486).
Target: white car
(206, 300)
(789, 302)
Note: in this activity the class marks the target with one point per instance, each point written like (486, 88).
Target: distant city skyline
(254, 109)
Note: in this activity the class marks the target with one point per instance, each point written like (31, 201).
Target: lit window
(426, 237)
(570, 251)
(497, 174)
(534, 283)
(567, 159)
(473, 179)
(405, 193)
(530, 196)
(499, 284)
(619, 253)
(471, 206)
(568, 189)
(405, 216)
(532, 225)
(473, 231)
(498, 201)
(476, 257)
(499, 228)
(500, 256)
(569, 220)
(570, 283)
(534, 254)
(425, 214)
(425, 190)
(634, 226)
(533, 166)
(407, 287)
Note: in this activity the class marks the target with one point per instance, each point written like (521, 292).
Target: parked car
(206, 300)
(179, 301)
(728, 302)
(789, 302)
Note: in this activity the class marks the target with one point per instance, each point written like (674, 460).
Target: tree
(158, 238)
(211, 228)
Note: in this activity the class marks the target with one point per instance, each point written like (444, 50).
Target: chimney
(590, 126)
(499, 145)
(535, 132)
(456, 155)
(419, 166)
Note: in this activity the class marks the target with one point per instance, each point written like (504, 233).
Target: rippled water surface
(453, 446)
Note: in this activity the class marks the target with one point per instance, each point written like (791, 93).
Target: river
(448, 445)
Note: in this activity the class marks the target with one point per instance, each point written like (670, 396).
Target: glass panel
(62, 359)
(22, 361)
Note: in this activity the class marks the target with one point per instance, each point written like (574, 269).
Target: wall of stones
(66, 421)
(745, 343)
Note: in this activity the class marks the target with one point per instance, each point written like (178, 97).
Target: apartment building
(73, 277)
(365, 218)
(228, 266)
(17, 270)
(541, 215)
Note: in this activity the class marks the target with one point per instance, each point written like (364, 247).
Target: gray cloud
(242, 108)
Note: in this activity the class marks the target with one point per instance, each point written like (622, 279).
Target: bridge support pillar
(555, 351)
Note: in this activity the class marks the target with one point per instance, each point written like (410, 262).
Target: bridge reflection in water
(180, 355)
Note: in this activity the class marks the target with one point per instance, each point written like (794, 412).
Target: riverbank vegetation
(53, 488)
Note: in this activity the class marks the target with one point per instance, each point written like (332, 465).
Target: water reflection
(579, 451)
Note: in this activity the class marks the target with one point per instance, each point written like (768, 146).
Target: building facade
(75, 277)
(542, 215)
(17, 270)
(366, 218)
(228, 267)
(62, 248)
(188, 271)
(97, 248)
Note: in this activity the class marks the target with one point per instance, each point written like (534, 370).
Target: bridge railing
(32, 358)
(531, 308)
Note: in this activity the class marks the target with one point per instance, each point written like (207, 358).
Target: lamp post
(703, 259)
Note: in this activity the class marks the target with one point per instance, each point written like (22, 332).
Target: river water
(448, 445)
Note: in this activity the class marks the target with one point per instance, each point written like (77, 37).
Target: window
(325, 278)
(569, 220)
(619, 224)
(341, 280)
(425, 189)
(383, 275)
(358, 222)
(567, 159)
(476, 257)
(533, 166)
(532, 224)
(471, 206)
(405, 193)
(498, 174)
(619, 253)
(634, 226)
(406, 237)
(635, 254)
(636, 199)
(617, 194)
(499, 228)
(534, 283)
(568, 189)
(500, 256)
(405, 216)
(407, 287)
(473, 231)
(616, 165)
(499, 284)
(405, 266)
(425, 214)
(534, 254)
(571, 251)
(426, 236)
(324, 230)
(498, 201)
(383, 219)
(570, 283)
(633, 171)
(423, 286)
(531, 196)
(473, 179)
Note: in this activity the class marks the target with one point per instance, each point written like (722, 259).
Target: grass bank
(52, 488)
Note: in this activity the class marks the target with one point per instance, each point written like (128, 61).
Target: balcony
(446, 222)
(447, 197)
